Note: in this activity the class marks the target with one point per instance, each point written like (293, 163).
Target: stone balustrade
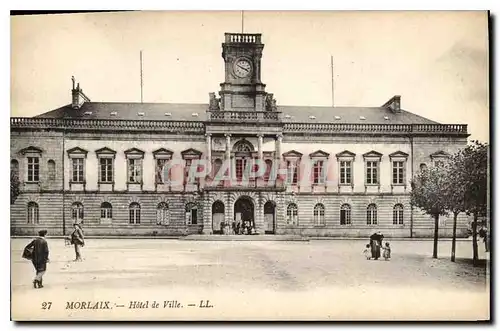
(247, 38)
(244, 116)
(236, 117)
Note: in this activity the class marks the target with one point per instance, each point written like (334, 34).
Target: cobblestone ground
(325, 279)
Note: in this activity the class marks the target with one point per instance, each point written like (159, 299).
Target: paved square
(253, 279)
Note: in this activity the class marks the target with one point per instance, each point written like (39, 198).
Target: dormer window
(288, 116)
(140, 113)
(88, 113)
(168, 114)
(362, 118)
(386, 118)
(337, 117)
(312, 117)
(114, 113)
(194, 114)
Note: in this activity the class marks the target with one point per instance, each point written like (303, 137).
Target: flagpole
(242, 21)
(333, 103)
(140, 58)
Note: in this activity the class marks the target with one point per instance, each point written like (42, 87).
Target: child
(367, 252)
(387, 252)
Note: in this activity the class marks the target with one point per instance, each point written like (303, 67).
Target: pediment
(162, 151)
(399, 154)
(105, 150)
(77, 150)
(373, 154)
(134, 151)
(319, 153)
(191, 152)
(439, 154)
(346, 153)
(292, 153)
(31, 149)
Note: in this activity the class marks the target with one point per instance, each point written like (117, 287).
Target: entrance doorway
(217, 216)
(244, 211)
(269, 217)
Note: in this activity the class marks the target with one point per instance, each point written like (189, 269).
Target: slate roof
(184, 112)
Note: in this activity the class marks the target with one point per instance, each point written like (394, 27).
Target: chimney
(78, 97)
(394, 104)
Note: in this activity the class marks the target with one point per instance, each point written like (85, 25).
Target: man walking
(39, 250)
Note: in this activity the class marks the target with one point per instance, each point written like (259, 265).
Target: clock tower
(242, 89)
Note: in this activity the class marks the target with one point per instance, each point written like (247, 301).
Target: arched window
(33, 213)
(397, 214)
(218, 207)
(292, 214)
(319, 214)
(243, 146)
(106, 211)
(51, 169)
(345, 214)
(14, 168)
(371, 214)
(162, 214)
(191, 213)
(77, 212)
(134, 213)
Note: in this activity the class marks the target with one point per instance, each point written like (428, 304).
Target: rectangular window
(345, 172)
(106, 170)
(398, 172)
(240, 168)
(77, 170)
(187, 168)
(372, 172)
(318, 177)
(33, 169)
(292, 173)
(134, 170)
(160, 171)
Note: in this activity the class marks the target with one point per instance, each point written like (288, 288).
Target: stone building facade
(127, 168)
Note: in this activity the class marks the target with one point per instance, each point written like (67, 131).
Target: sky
(436, 61)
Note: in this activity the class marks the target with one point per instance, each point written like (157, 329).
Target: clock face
(242, 68)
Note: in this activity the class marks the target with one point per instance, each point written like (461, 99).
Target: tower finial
(73, 80)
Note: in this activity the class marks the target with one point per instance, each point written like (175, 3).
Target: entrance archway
(270, 217)
(244, 211)
(217, 216)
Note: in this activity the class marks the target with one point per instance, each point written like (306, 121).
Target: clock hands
(239, 66)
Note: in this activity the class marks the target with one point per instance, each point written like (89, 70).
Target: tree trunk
(454, 239)
(474, 240)
(436, 233)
